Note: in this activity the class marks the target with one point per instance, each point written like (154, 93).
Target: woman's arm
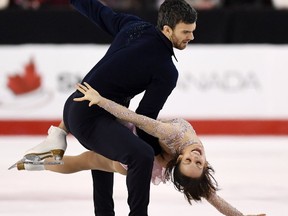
(153, 127)
(224, 207)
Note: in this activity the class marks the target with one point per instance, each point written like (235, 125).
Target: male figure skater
(138, 60)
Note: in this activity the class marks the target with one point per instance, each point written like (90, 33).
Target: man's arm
(103, 16)
(153, 101)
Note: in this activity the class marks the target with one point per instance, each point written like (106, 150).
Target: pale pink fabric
(157, 174)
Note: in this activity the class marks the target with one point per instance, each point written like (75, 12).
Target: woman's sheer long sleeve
(153, 127)
(222, 206)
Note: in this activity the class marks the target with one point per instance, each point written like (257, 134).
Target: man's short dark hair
(172, 12)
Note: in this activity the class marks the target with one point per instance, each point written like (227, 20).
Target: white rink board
(231, 81)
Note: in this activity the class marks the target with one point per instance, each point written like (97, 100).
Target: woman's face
(192, 160)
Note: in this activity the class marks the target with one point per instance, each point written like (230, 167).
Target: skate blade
(36, 162)
(56, 162)
(15, 164)
(37, 157)
(25, 159)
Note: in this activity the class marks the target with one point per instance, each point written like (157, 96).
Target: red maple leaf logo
(26, 82)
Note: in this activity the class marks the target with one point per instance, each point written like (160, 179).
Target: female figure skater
(181, 161)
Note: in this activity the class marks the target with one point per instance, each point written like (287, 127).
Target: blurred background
(220, 21)
(236, 68)
(232, 88)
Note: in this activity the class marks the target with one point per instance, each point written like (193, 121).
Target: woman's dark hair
(172, 12)
(193, 188)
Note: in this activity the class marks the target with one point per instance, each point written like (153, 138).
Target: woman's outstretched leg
(86, 161)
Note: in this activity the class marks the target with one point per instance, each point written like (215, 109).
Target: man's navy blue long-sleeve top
(139, 59)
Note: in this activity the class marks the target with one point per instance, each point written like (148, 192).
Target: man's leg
(111, 139)
(103, 193)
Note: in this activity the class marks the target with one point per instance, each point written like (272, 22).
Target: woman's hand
(90, 94)
(258, 215)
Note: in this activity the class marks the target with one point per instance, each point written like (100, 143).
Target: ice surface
(252, 173)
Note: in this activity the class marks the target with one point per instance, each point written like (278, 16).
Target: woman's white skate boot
(54, 145)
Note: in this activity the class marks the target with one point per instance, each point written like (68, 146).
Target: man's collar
(167, 42)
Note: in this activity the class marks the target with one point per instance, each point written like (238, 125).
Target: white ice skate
(54, 145)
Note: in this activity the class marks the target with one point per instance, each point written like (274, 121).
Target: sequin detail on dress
(173, 134)
(176, 138)
(175, 141)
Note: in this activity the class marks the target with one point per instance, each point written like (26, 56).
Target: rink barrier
(203, 127)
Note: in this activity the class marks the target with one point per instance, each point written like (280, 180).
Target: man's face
(182, 34)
